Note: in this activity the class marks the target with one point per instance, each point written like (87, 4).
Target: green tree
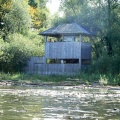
(15, 51)
(89, 11)
(19, 41)
(39, 13)
(32, 3)
(113, 19)
(5, 7)
(18, 19)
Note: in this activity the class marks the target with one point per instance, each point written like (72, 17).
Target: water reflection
(59, 103)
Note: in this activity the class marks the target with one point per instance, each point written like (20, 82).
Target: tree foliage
(15, 52)
(18, 16)
(38, 12)
(32, 3)
(17, 40)
(102, 19)
(18, 19)
(5, 7)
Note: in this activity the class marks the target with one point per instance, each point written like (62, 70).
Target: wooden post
(91, 40)
(62, 37)
(62, 66)
(80, 58)
(80, 38)
(45, 39)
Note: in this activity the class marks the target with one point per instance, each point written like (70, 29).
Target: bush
(107, 64)
(15, 52)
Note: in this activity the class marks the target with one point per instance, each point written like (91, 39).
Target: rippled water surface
(59, 103)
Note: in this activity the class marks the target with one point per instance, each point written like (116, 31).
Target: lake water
(59, 103)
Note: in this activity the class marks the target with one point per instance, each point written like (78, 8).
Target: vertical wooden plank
(45, 38)
(63, 50)
(80, 51)
(62, 37)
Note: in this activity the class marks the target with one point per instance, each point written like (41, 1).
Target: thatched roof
(67, 29)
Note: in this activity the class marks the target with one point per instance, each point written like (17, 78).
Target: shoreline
(50, 83)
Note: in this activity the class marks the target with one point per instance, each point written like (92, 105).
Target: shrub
(15, 52)
(107, 64)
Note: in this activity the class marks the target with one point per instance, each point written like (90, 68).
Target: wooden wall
(66, 50)
(53, 68)
(86, 50)
(59, 50)
(32, 62)
(35, 66)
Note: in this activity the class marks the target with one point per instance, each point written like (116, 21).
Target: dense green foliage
(18, 19)
(16, 50)
(18, 27)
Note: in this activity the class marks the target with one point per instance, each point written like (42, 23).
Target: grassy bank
(83, 78)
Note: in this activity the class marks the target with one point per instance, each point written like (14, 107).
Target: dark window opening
(72, 61)
(85, 61)
(62, 61)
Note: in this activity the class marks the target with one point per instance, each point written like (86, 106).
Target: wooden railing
(53, 68)
(66, 50)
